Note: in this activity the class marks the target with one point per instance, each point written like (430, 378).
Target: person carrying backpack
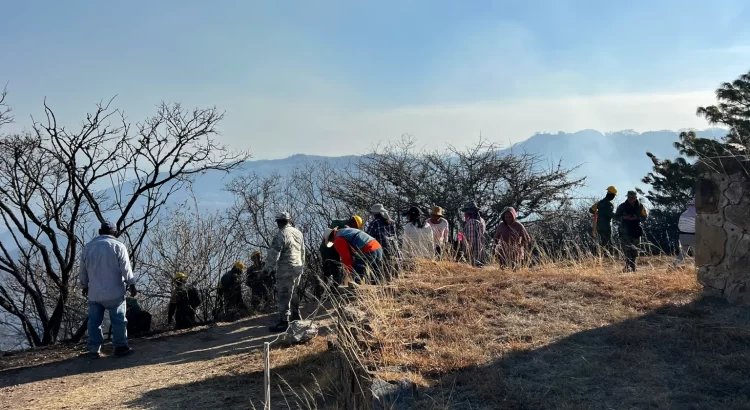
(139, 321)
(185, 299)
(630, 214)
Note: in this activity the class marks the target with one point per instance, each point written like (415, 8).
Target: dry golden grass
(572, 335)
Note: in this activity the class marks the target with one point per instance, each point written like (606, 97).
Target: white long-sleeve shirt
(105, 269)
(418, 242)
(439, 230)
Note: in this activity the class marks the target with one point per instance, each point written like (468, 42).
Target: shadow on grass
(694, 356)
(301, 384)
(197, 345)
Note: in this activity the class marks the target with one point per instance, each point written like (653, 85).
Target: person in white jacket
(287, 257)
(418, 239)
(686, 226)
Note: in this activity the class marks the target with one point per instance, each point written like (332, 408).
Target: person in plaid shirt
(474, 234)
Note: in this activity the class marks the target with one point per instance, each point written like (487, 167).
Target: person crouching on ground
(631, 213)
(105, 271)
(287, 257)
(511, 240)
(185, 299)
(358, 251)
(230, 287)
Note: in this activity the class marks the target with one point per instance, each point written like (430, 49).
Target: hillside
(571, 335)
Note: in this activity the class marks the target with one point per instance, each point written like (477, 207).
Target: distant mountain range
(616, 158)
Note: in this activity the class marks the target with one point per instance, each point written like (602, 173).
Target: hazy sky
(333, 77)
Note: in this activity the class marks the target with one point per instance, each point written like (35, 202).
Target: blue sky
(335, 77)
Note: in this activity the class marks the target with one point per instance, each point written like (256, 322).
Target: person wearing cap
(185, 299)
(287, 257)
(631, 214)
(511, 239)
(354, 222)
(475, 229)
(103, 274)
(686, 227)
(230, 289)
(358, 251)
(604, 210)
(440, 229)
(383, 230)
(261, 285)
(418, 239)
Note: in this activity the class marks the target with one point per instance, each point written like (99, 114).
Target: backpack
(194, 297)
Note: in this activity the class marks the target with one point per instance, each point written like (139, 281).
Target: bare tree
(202, 245)
(402, 174)
(55, 183)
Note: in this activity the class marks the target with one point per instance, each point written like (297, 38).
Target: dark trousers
(630, 250)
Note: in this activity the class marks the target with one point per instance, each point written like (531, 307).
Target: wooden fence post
(267, 375)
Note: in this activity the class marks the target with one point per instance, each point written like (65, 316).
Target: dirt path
(217, 367)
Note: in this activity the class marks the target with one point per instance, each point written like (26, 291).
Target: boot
(122, 351)
(280, 327)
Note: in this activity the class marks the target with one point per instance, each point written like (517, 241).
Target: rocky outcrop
(723, 229)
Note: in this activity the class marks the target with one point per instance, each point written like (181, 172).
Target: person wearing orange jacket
(357, 250)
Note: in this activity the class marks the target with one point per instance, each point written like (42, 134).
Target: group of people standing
(424, 236)
(631, 213)
(349, 250)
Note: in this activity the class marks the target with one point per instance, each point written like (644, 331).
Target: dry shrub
(575, 335)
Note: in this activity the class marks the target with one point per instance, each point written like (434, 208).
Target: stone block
(713, 280)
(738, 292)
(706, 196)
(710, 243)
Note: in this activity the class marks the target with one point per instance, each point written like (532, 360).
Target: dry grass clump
(579, 335)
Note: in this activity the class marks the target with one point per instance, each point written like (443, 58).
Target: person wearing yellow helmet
(355, 221)
(261, 285)
(604, 211)
(185, 299)
(231, 292)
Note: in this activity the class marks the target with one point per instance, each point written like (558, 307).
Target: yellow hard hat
(239, 265)
(358, 221)
(612, 189)
(180, 275)
(256, 252)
